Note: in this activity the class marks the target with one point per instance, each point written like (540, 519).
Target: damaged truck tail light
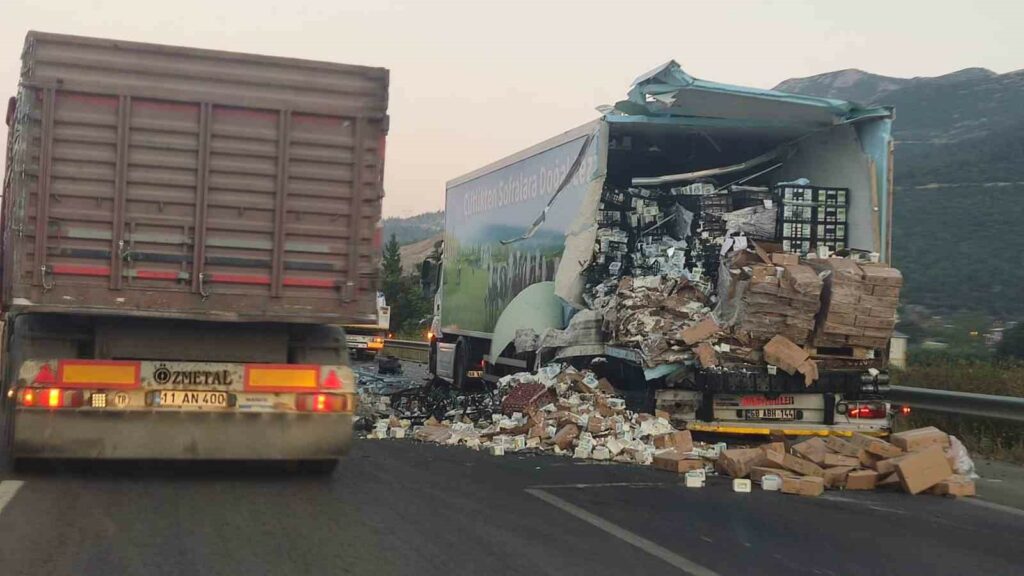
(50, 398)
(872, 411)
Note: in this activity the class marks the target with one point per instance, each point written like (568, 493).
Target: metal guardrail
(984, 405)
(411, 350)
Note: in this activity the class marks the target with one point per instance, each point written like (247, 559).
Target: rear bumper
(788, 428)
(181, 435)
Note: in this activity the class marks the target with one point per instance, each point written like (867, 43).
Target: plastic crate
(812, 216)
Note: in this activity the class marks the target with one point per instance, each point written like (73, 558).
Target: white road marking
(640, 542)
(994, 506)
(605, 485)
(8, 488)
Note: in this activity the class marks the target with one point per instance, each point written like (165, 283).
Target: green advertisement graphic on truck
(490, 254)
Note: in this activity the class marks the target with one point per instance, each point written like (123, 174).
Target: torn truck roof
(668, 92)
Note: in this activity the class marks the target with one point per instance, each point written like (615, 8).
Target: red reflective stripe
(105, 101)
(240, 279)
(75, 270)
(156, 274)
(265, 280)
(309, 282)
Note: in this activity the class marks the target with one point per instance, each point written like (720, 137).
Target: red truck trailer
(184, 231)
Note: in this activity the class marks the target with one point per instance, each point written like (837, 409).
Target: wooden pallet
(844, 352)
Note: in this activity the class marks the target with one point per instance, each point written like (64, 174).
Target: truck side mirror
(427, 274)
(12, 105)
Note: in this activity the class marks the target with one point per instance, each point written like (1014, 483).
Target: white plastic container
(771, 482)
(695, 479)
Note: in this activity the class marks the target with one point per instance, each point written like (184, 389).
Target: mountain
(959, 175)
(962, 105)
(414, 228)
(867, 88)
(849, 84)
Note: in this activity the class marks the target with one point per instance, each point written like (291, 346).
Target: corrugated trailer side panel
(190, 183)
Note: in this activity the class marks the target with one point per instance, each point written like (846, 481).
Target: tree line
(410, 309)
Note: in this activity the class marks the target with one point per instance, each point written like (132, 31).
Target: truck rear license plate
(770, 414)
(193, 399)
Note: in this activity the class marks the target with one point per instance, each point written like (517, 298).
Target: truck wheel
(432, 359)
(6, 434)
(459, 369)
(318, 467)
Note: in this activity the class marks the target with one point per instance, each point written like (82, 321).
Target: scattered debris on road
(570, 412)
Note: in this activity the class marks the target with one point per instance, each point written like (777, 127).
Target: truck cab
(366, 340)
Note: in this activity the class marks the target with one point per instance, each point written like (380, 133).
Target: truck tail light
(50, 398)
(376, 344)
(323, 402)
(874, 411)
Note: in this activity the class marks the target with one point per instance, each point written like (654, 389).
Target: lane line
(994, 506)
(8, 488)
(640, 542)
(604, 485)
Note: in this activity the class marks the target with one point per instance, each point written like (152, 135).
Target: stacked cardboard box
(781, 299)
(917, 461)
(859, 304)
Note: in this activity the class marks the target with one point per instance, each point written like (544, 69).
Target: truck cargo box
(177, 182)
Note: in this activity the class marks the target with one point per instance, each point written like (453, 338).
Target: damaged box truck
(184, 233)
(718, 252)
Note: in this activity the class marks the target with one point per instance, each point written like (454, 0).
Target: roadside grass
(987, 437)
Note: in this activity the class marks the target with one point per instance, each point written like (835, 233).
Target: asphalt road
(401, 507)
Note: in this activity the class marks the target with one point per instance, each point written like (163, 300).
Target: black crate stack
(812, 216)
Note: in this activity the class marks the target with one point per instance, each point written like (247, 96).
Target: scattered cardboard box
(782, 352)
(919, 439)
(673, 461)
(681, 440)
(835, 477)
(790, 462)
(920, 471)
(803, 485)
(861, 480)
(888, 466)
(841, 446)
(876, 446)
(737, 462)
(955, 485)
(566, 436)
(833, 460)
(813, 449)
(701, 331)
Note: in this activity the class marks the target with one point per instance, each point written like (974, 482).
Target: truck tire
(6, 434)
(432, 359)
(318, 467)
(459, 366)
